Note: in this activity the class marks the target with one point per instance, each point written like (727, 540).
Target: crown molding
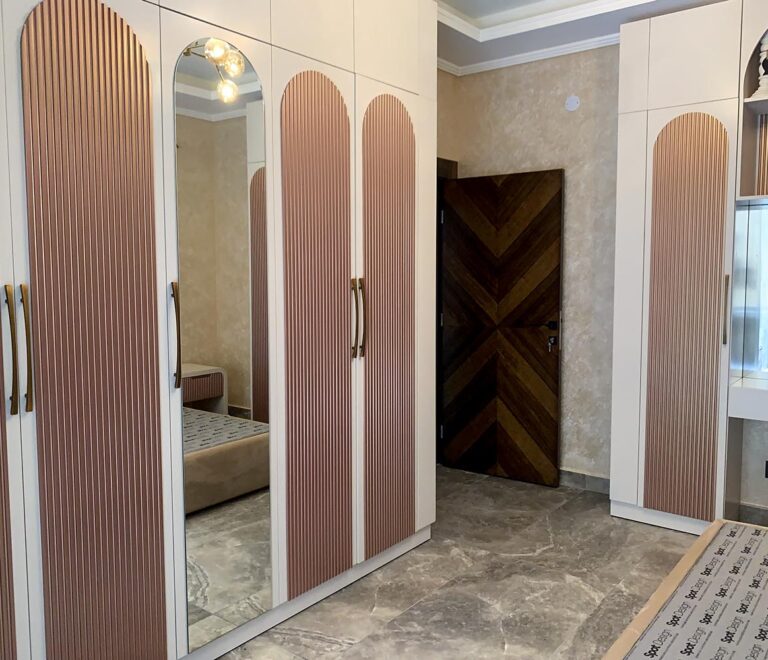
(206, 116)
(518, 21)
(458, 21)
(531, 56)
(209, 94)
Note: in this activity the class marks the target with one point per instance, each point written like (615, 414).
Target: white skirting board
(268, 620)
(658, 518)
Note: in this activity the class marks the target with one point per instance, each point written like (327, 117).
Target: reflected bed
(224, 457)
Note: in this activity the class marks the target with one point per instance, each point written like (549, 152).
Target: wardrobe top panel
(694, 55)
(318, 29)
(250, 18)
(387, 41)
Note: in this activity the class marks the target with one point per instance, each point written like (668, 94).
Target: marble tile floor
(513, 571)
(229, 577)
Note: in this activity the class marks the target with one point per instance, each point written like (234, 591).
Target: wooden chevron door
(501, 255)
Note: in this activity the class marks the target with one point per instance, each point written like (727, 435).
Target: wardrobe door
(314, 159)
(92, 309)
(7, 600)
(14, 626)
(387, 148)
(691, 155)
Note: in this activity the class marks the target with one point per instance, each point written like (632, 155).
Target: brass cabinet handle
(28, 334)
(725, 309)
(11, 302)
(177, 309)
(357, 318)
(361, 285)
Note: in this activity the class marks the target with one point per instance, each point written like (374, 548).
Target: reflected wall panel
(259, 311)
(690, 170)
(316, 189)
(7, 620)
(88, 142)
(389, 216)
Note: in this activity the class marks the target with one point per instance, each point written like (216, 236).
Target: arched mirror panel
(221, 219)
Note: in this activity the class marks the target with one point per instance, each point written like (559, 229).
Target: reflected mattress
(224, 457)
(203, 429)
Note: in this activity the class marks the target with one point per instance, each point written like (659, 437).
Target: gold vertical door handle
(357, 318)
(28, 335)
(361, 286)
(11, 302)
(726, 318)
(177, 309)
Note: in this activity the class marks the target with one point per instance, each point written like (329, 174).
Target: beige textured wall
(194, 146)
(214, 248)
(514, 120)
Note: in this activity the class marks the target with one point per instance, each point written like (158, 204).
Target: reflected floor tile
(229, 576)
(207, 629)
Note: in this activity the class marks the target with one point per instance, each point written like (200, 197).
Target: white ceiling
(479, 8)
(478, 35)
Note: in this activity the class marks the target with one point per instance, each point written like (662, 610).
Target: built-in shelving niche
(754, 136)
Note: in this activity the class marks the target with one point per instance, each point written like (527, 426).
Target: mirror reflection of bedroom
(223, 315)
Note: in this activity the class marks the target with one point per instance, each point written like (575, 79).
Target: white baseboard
(658, 518)
(248, 631)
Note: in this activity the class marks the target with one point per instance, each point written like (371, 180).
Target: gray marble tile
(754, 515)
(260, 649)
(513, 570)
(443, 625)
(365, 606)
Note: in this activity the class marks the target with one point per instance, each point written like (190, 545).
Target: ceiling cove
(480, 35)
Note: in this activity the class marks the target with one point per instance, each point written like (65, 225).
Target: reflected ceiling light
(224, 58)
(227, 90)
(216, 50)
(234, 63)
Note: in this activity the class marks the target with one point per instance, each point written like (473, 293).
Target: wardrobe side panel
(754, 24)
(628, 306)
(633, 66)
(88, 132)
(426, 314)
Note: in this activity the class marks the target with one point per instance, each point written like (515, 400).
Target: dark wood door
(500, 289)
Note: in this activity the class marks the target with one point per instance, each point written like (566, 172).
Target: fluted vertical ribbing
(260, 316)
(762, 156)
(90, 205)
(7, 616)
(316, 170)
(389, 226)
(690, 186)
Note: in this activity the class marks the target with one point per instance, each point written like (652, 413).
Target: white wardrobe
(94, 539)
(686, 162)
